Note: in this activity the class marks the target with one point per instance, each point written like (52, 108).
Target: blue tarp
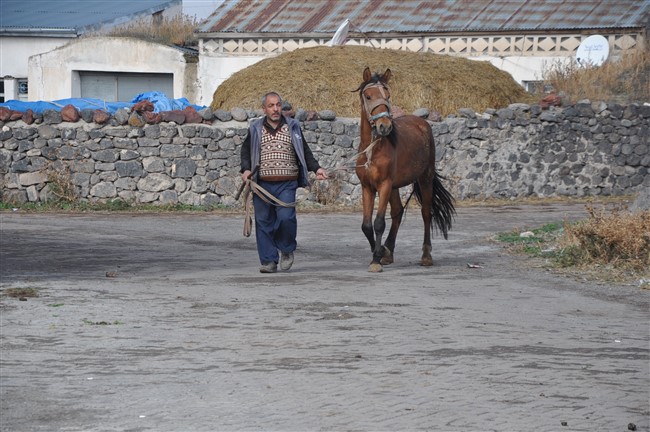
(159, 100)
(163, 103)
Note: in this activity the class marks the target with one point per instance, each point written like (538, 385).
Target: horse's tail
(442, 205)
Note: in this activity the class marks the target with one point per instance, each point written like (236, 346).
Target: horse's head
(375, 100)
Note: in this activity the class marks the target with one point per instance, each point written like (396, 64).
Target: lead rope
(367, 151)
(265, 195)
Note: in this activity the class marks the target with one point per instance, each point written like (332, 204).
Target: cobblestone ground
(162, 323)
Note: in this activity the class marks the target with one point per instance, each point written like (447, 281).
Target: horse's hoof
(375, 268)
(386, 256)
(426, 262)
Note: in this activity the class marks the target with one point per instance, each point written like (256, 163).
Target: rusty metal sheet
(419, 16)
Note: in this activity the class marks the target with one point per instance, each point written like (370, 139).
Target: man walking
(277, 156)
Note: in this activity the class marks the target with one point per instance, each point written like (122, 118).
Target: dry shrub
(60, 184)
(327, 191)
(178, 30)
(320, 78)
(618, 238)
(623, 80)
(21, 292)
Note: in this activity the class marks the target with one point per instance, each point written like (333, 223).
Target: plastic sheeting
(159, 100)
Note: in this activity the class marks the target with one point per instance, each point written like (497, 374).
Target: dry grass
(60, 182)
(327, 191)
(325, 78)
(178, 30)
(623, 80)
(21, 292)
(616, 238)
(612, 245)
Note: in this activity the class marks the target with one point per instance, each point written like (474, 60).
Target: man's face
(273, 108)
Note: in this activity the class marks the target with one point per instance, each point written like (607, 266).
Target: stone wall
(582, 150)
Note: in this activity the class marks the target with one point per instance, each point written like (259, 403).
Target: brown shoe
(270, 267)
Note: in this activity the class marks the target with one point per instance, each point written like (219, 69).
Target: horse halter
(377, 102)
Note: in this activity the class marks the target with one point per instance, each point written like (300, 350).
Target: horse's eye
(368, 97)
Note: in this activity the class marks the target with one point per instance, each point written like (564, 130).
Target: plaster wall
(214, 70)
(15, 52)
(58, 70)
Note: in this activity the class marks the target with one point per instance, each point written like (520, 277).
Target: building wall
(14, 55)
(57, 71)
(15, 51)
(214, 70)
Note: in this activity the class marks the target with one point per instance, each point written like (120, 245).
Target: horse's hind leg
(396, 211)
(426, 191)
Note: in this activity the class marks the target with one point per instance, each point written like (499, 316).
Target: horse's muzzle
(383, 128)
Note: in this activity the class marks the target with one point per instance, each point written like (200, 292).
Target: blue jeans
(275, 227)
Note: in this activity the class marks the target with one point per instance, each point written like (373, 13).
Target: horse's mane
(374, 79)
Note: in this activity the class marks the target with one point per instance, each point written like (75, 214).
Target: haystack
(320, 78)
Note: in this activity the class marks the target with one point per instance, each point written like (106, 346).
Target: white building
(32, 27)
(521, 37)
(113, 69)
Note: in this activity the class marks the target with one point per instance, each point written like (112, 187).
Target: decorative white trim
(458, 45)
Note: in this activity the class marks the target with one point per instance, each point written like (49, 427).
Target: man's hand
(321, 174)
(245, 175)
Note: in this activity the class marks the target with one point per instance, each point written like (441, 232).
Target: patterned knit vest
(278, 161)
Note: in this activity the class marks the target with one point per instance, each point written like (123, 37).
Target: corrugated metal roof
(420, 16)
(74, 15)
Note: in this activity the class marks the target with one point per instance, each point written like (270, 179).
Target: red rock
(69, 114)
(142, 106)
(151, 117)
(28, 116)
(5, 113)
(191, 115)
(101, 117)
(550, 100)
(397, 111)
(176, 116)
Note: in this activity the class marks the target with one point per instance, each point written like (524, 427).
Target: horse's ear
(367, 74)
(386, 75)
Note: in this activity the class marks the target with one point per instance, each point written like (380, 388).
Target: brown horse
(393, 153)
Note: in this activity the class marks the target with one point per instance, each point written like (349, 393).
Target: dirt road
(163, 323)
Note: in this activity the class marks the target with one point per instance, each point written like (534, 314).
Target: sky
(200, 8)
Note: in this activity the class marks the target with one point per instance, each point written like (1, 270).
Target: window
(537, 87)
(23, 89)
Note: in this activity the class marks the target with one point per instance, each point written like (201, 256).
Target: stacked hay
(320, 78)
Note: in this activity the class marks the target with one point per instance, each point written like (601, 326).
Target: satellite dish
(593, 51)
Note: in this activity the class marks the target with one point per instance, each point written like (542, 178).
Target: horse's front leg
(368, 200)
(380, 226)
(396, 210)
